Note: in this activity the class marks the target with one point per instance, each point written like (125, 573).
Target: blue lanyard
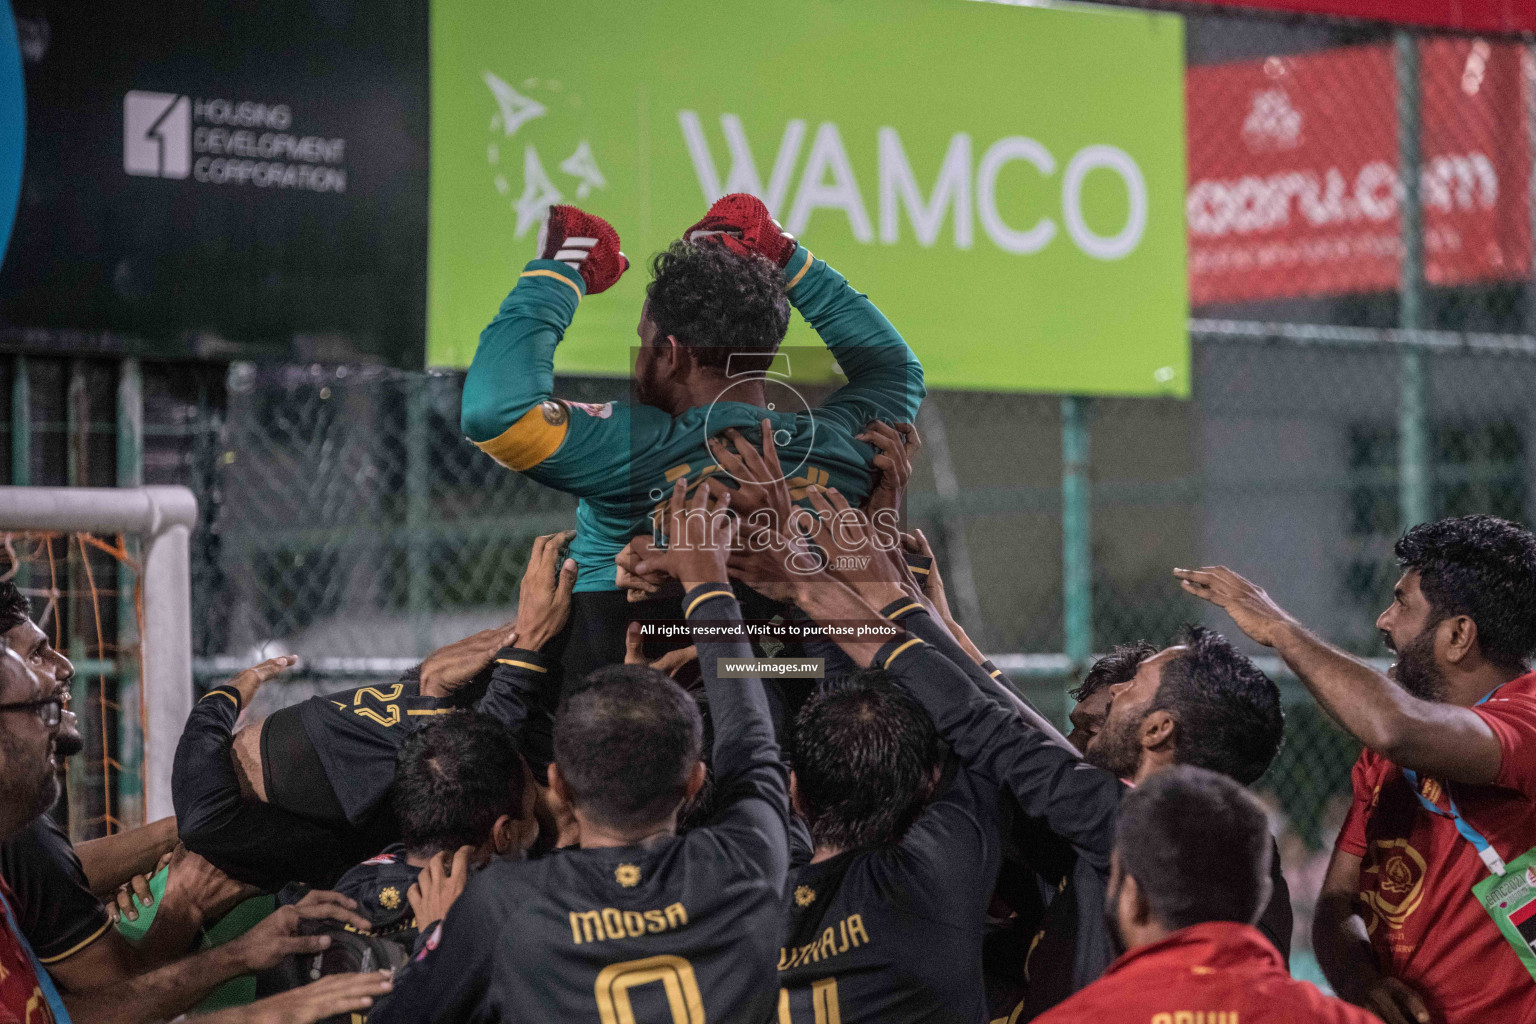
(1479, 842)
(45, 983)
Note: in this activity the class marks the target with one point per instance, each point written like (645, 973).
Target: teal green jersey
(622, 458)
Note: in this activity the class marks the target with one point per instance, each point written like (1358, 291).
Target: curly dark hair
(1483, 567)
(717, 302)
(1118, 666)
(1228, 710)
(14, 608)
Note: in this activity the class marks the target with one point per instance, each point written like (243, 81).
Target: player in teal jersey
(719, 292)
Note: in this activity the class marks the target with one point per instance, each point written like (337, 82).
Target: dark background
(108, 263)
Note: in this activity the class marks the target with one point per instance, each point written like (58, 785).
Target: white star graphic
(516, 109)
(582, 164)
(539, 193)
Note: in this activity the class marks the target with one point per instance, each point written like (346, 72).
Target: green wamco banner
(1006, 183)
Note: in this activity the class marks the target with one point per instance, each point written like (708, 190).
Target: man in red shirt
(1188, 877)
(1445, 791)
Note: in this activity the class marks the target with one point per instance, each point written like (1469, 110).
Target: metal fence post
(21, 442)
(418, 510)
(1076, 532)
(1413, 401)
(955, 557)
(77, 430)
(130, 473)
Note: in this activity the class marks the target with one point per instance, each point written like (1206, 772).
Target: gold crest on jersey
(627, 875)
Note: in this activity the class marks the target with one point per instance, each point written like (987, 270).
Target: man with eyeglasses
(59, 888)
(30, 711)
(36, 733)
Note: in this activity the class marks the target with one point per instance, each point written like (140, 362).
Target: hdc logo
(157, 134)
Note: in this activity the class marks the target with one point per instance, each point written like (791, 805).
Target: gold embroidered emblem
(389, 897)
(804, 895)
(1397, 888)
(554, 413)
(627, 875)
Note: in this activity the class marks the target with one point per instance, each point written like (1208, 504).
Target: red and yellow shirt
(21, 997)
(1417, 871)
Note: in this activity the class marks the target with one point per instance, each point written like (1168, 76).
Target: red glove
(741, 222)
(584, 242)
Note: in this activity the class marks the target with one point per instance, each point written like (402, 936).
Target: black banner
(222, 179)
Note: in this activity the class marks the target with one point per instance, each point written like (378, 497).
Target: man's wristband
(522, 658)
(225, 691)
(900, 608)
(893, 650)
(701, 594)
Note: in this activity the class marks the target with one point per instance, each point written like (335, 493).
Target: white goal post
(163, 519)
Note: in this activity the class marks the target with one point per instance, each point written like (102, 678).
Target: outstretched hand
(331, 996)
(761, 491)
(896, 445)
(669, 664)
(544, 598)
(856, 553)
(700, 535)
(251, 680)
(1250, 607)
(278, 934)
(448, 668)
(438, 886)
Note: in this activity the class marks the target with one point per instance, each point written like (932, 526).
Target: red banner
(1466, 15)
(1294, 188)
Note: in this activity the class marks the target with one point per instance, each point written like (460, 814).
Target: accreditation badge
(1510, 900)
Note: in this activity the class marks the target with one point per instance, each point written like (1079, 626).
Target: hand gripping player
(717, 305)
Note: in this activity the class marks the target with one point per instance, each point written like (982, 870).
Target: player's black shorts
(294, 776)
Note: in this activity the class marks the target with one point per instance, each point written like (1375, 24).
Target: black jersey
(892, 935)
(249, 840)
(357, 734)
(57, 912)
(681, 928)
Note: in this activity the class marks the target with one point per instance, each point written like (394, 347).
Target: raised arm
(750, 778)
(1076, 801)
(1450, 742)
(915, 619)
(524, 680)
(885, 379)
(508, 408)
